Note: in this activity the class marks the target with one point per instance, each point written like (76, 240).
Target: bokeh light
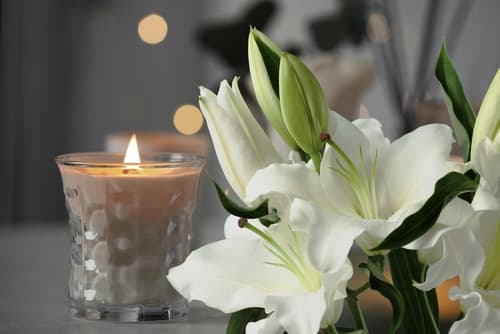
(152, 29)
(188, 119)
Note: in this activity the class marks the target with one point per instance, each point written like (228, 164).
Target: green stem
(331, 330)
(422, 314)
(316, 158)
(361, 289)
(357, 314)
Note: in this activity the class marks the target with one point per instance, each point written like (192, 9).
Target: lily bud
(264, 60)
(303, 104)
(241, 145)
(488, 119)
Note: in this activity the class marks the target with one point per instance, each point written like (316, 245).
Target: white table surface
(34, 290)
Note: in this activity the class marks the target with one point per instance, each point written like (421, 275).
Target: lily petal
(233, 231)
(294, 180)
(348, 136)
(298, 314)
(342, 198)
(335, 292)
(230, 98)
(425, 152)
(462, 255)
(351, 140)
(486, 162)
(330, 237)
(376, 230)
(457, 213)
(216, 275)
(480, 316)
(484, 199)
(359, 139)
(269, 325)
(300, 215)
(441, 270)
(241, 145)
(372, 129)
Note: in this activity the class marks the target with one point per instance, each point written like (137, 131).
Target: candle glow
(132, 154)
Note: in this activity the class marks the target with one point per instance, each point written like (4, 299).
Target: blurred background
(75, 72)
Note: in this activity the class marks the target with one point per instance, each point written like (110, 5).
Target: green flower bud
(488, 119)
(264, 61)
(303, 104)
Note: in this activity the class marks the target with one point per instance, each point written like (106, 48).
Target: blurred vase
(344, 80)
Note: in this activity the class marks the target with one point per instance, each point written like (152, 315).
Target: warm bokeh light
(188, 119)
(152, 29)
(132, 155)
(449, 309)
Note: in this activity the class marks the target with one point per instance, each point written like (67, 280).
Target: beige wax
(135, 224)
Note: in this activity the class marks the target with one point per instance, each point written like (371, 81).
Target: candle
(130, 221)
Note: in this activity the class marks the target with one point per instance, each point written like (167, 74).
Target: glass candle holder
(129, 224)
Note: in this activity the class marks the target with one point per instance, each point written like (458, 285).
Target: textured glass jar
(129, 224)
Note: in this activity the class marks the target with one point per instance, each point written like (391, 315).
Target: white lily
(479, 294)
(365, 179)
(275, 268)
(450, 248)
(241, 145)
(471, 253)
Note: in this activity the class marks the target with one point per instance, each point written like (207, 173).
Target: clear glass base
(127, 231)
(128, 313)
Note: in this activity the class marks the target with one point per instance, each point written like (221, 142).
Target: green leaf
(270, 219)
(239, 320)
(459, 108)
(233, 208)
(379, 283)
(446, 189)
(422, 312)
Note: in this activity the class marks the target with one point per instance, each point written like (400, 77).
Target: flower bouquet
(284, 263)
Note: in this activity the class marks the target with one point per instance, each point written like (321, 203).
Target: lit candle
(130, 221)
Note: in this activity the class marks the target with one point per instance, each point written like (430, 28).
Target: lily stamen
(362, 182)
(242, 222)
(293, 262)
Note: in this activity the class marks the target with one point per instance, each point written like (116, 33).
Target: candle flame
(132, 154)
